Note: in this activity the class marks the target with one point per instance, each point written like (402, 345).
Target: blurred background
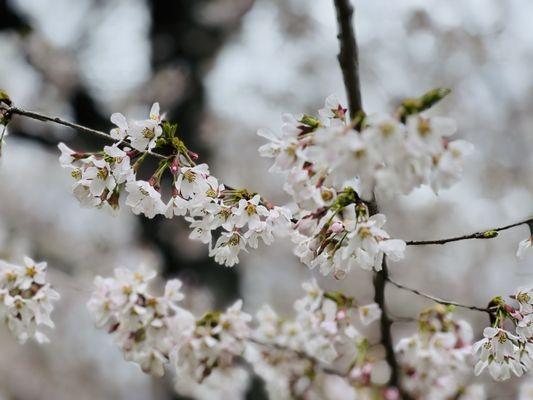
(222, 69)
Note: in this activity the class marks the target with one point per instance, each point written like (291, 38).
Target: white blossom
(143, 198)
(227, 248)
(499, 352)
(369, 313)
(524, 246)
(121, 131)
(143, 134)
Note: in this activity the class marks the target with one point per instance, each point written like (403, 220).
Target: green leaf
(169, 129)
(416, 105)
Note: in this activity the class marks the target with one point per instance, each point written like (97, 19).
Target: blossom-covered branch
(101, 177)
(7, 111)
(297, 357)
(335, 163)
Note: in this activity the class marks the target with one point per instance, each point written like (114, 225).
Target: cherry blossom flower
(143, 134)
(369, 313)
(143, 198)
(121, 131)
(227, 248)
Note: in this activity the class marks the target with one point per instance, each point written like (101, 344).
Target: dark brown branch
(380, 280)
(488, 234)
(348, 56)
(437, 299)
(349, 63)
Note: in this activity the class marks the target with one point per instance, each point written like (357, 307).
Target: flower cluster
(501, 351)
(243, 217)
(323, 331)
(154, 331)
(137, 320)
(214, 342)
(26, 299)
(333, 166)
(437, 360)
(293, 356)
(345, 236)
(100, 178)
(388, 154)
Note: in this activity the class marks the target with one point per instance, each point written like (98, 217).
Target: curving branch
(301, 354)
(437, 299)
(488, 234)
(9, 111)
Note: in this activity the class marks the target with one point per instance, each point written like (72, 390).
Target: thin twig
(8, 111)
(301, 354)
(437, 299)
(477, 235)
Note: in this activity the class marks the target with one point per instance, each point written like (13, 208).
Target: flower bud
(336, 227)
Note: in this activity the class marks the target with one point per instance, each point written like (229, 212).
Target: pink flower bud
(336, 227)
(193, 155)
(391, 393)
(175, 166)
(341, 314)
(513, 312)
